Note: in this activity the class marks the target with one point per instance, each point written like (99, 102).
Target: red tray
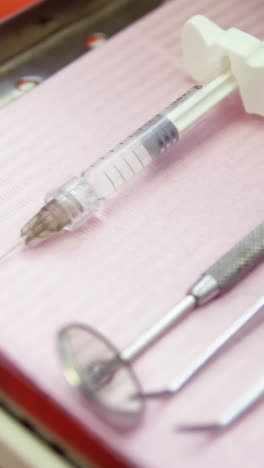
(8, 7)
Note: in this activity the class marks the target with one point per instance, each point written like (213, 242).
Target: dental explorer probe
(97, 372)
(253, 396)
(207, 356)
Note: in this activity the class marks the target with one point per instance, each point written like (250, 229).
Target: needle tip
(12, 249)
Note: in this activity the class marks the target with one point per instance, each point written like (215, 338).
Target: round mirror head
(94, 366)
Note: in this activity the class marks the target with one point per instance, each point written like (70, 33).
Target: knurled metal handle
(239, 261)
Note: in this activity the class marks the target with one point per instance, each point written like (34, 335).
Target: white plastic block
(203, 51)
(210, 50)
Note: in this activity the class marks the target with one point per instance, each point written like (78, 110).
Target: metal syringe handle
(232, 267)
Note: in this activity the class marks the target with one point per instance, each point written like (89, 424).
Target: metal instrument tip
(199, 427)
(155, 394)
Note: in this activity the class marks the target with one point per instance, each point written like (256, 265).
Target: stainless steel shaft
(218, 279)
(235, 412)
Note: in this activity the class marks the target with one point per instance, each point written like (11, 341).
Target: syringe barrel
(156, 138)
(131, 157)
(81, 196)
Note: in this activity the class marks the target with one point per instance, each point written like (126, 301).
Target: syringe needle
(12, 249)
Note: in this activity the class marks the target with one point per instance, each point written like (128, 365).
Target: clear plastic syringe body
(77, 200)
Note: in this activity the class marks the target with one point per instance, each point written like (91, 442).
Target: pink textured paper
(122, 271)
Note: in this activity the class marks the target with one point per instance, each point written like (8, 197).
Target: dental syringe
(79, 199)
(225, 60)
